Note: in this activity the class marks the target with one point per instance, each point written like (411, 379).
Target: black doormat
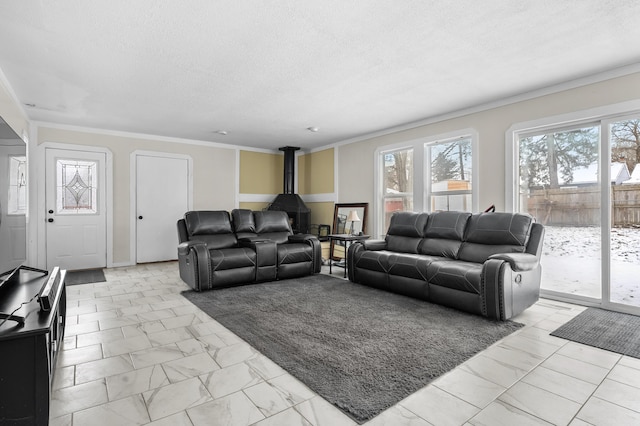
(84, 276)
(360, 348)
(612, 331)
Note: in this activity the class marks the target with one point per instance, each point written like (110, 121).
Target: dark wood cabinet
(28, 352)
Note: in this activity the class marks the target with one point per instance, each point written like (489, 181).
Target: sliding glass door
(624, 240)
(583, 184)
(560, 185)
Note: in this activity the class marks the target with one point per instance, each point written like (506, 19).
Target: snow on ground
(585, 242)
(571, 262)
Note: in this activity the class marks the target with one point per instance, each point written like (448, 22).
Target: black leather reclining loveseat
(216, 251)
(486, 263)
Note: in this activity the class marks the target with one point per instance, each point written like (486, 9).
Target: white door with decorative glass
(76, 227)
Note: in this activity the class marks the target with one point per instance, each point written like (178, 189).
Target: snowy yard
(571, 262)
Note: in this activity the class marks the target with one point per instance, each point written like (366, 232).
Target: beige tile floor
(136, 352)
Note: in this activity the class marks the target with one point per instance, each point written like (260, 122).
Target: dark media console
(29, 344)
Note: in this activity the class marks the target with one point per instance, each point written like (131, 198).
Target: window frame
(14, 209)
(429, 192)
(421, 194)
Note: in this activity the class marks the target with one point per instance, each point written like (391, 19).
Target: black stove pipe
(289, 168)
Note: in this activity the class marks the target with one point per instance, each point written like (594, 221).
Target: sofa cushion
(406, 231)
(374, 260)
(409, 265)
(294, 253)
(499, 228)
(408, 224)
(243, 221)
(455, 274)
(272, 221)
(491, 233)
(211, 227)
(444, 234)
(447, 225)
(232, 258)
(273, 225)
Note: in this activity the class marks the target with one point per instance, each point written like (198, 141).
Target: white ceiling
(265, 71)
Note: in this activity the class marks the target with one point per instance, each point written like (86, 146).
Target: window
(449, 175)
(427, 174)
(17, 203)
(397, 178)
(76, 190)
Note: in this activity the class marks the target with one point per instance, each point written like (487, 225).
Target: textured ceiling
(266, 71)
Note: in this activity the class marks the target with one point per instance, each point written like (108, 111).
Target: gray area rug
(360, 348)
(84, 276)
(612, 331)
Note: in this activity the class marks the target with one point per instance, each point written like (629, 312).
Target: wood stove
(299, 214)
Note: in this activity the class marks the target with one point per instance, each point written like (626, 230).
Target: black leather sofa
(486, 263)
(256, 246)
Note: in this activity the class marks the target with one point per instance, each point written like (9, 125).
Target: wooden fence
(581, 206)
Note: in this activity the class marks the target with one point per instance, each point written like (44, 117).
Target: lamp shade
(353, 216)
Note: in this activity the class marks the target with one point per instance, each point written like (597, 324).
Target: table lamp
(353, 217)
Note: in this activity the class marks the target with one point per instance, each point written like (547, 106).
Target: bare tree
(625, 142)
(399, 175)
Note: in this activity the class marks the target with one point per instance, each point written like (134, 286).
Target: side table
(347, 239)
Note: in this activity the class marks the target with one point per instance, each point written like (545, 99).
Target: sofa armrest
(519, 262)
(194, 263)
(374, 245)
(301, 238)
(506, 292)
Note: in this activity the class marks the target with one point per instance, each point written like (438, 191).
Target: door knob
(50, 211)
(50, 220)
(140, 217)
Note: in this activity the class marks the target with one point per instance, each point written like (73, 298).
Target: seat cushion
(373, 260)
(294, 253)
(409, 265)
(456, 274)
(232, 258)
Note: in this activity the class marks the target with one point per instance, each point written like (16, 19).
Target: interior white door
(76, 229)
(162, 197)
